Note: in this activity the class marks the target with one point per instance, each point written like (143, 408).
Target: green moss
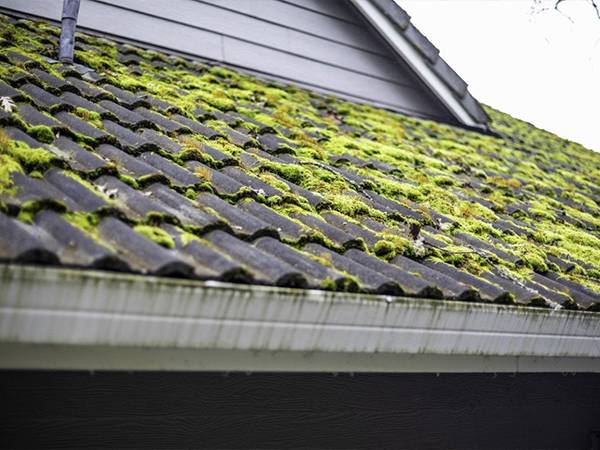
(85, 221)
(92, 117)
(29, 158)
(30, 208)
(158, 235)
(8, 166)
(42, 133)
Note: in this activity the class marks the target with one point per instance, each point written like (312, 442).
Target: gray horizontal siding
(322, 44)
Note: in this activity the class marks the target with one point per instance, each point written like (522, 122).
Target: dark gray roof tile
(162, 141)
(581, 294)
(521, 293)
(451, 288)
(395, 13)
(158, 104)
(127, 117)
(22, 243)
(7, 90)
(275, 144)
(79, 158)
(76, 247)
(136, 205)
(34, 117)
(450, 77)
(19, 135)
(254, 183)
(287, 229)
(77, 125)
(208, 262)
(221, 183)
(351, 228)
(478, 244)
(52, 81)
(370, 280)
(265, 267)
(187, 211)
(127, 139)
(548, 292)
(141, 253)
(242, 223)
(488, 291)
(43, 99)
(410, 284)
(164, 124)
(29, 189)
(177, 175)
(196, 127)
(88, 90)
(335, 234)
(127, 164)
(126, 98)
(313, 198)
(238, 138)
(317, 274)
(86, 199)
(391, 207)
(76, 101)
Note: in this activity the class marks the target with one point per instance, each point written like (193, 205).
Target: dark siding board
(279, 52)
(338, 80)
(268, 410)
(234, 25)
(333, 8)
(302, 20)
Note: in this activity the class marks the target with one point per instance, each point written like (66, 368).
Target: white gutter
(73, 319)
(412, 57)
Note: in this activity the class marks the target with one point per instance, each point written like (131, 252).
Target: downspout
(67, 32)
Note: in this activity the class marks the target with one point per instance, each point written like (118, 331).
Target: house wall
(54, 409)
(325, 45)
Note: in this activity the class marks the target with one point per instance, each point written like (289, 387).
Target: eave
(73, 319)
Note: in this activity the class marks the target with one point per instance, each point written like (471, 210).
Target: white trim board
(158, 324)
(412, 57)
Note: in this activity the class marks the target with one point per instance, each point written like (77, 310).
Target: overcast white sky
(543, 67)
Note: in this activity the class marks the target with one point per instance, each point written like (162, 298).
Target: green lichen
(155, 234)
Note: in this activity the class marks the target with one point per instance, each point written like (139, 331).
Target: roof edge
(394, 24)
(242, 325)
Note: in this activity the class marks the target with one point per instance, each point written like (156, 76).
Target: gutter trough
(52, 318)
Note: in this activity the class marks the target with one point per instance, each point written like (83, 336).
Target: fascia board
(61, 307)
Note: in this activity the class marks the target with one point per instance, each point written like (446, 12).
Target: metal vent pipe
(67, 32)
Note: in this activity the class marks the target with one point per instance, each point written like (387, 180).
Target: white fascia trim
(190, 325)
(416, 61)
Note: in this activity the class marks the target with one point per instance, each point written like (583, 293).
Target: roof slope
(133, 160)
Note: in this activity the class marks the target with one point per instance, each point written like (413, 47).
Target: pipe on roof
(67, 32)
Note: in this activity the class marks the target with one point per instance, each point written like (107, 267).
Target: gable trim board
(394, 25)
(361, 74)
(146, 323)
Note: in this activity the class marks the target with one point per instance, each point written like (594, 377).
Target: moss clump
(384, 249)
(42, 133)
(155, 234)
(92, 117)
(7, 167)
(31, 159)
(85, 221)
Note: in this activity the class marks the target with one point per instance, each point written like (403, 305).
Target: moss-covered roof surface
(134, 160)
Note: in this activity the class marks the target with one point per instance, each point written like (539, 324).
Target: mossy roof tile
(151, 153)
